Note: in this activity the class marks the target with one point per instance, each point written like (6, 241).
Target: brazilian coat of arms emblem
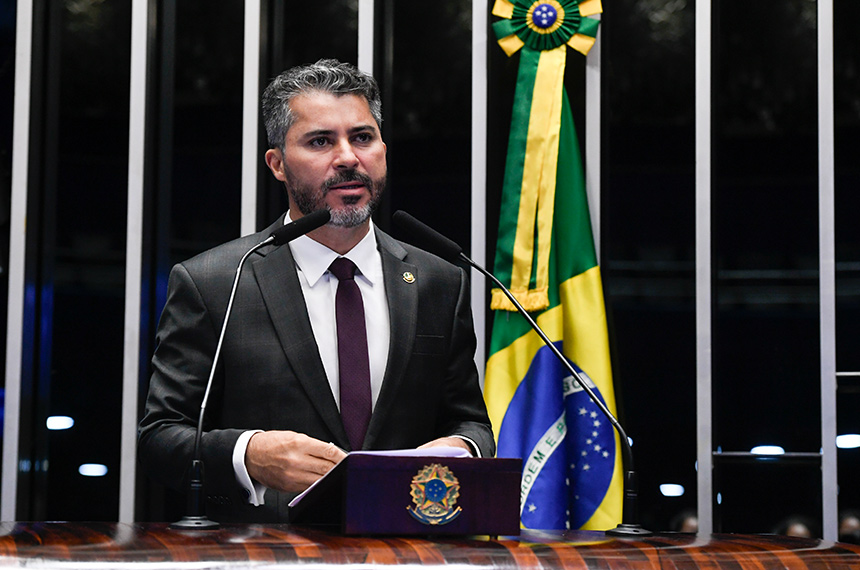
(434, 494)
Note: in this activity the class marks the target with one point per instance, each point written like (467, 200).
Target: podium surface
(154, 545)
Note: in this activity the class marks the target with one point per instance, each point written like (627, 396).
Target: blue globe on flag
(566, 443)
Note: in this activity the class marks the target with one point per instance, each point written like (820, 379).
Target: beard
(350, 214)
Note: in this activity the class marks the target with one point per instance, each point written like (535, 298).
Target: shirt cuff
(476, 451)
(256, 491)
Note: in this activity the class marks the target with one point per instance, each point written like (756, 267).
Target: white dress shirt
(319, 287)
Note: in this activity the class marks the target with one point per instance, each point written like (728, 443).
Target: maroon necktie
(353, 362)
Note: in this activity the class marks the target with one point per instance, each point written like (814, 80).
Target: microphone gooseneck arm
(628, 453)
(630, 511)
(448, 249)
(198, 436)
(196, 518)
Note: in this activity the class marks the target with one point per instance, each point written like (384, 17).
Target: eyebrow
(327, 132)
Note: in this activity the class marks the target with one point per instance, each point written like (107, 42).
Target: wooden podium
(407, 495)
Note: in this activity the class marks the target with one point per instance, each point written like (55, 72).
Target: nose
(345, 155)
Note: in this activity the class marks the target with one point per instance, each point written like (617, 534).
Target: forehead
(317, 110)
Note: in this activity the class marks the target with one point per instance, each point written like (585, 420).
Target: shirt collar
(313, 258)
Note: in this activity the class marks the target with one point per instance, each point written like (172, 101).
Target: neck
(336, 238)
(340, 240)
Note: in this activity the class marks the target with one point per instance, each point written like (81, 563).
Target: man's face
(333, 158)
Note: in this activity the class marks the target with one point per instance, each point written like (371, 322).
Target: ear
(275, 162)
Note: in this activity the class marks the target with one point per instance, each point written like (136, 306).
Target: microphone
(196, 518)
(305, 224)
(431, 240)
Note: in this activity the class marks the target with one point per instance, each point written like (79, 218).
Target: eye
(318, 142)
(365, 137)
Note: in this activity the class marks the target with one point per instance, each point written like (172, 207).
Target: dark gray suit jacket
(270, 375)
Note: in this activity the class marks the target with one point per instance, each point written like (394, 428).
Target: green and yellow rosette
(541, 31)
(544, 25)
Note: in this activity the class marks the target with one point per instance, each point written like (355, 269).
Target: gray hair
(327, 76)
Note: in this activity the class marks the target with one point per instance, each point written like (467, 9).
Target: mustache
(347, 176)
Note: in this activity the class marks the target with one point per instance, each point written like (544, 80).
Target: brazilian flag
(545, 255)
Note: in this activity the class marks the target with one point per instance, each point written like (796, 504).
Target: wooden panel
(241, 546)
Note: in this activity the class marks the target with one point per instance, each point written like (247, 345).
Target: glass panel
(765, 240)
(786, 492)
(427, 100)
(333, 25)
(194, 153)
(765, 230)
(847, 116)
(648, 242)
(848, 456)
(82, 260)
(205, 95)
(7, 95)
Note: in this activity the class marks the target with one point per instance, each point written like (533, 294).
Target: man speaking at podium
(302, 376)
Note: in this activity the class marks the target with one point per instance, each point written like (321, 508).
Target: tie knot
(342, 268)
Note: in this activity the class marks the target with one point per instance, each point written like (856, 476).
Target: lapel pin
(408, 277)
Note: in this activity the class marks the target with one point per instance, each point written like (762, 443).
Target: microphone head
(305, 224)
(426, 237)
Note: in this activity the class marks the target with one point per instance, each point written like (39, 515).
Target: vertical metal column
(133, 259)
(703, 268)
(478, 238)
(366, 18)
(250, 117)
(827, 269)
(17, 256)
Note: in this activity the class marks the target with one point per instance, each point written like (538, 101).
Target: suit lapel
(402, 299)
(282, 293)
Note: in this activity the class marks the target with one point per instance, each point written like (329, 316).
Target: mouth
(348, 183)
(347, 186)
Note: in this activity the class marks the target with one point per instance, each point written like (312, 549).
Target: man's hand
(448, 442)
(289, 461)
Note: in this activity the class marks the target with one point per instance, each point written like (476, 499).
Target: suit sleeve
(186, 339)
(465, 410)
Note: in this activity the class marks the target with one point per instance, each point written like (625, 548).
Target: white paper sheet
(426, 452)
